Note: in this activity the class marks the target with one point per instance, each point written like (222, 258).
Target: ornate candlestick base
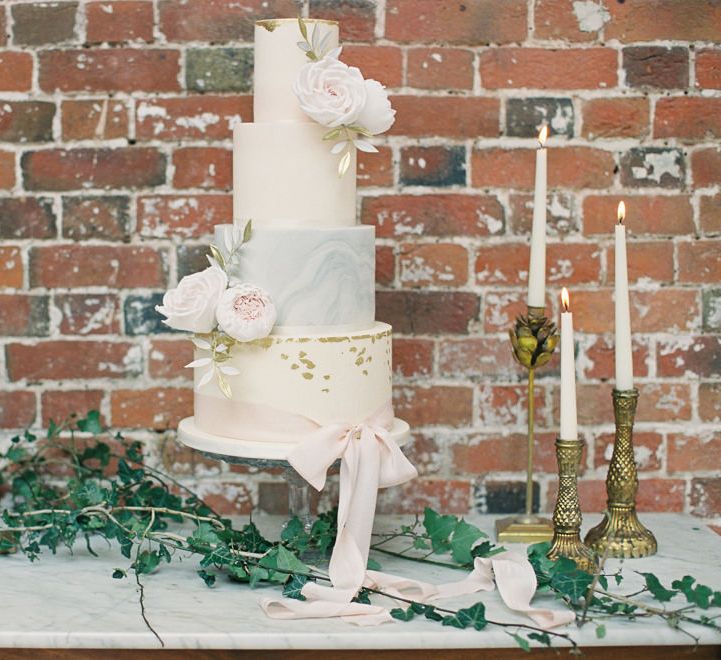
(523, 529)
(620, 533)
(567, 514)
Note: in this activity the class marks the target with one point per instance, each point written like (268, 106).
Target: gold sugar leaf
(217, 255)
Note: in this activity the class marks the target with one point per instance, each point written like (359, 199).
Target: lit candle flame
(543, 135)
(565, 299)
(621, 213)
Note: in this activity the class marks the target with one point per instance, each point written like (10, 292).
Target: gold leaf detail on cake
(268, 24)
(307, 375)
(295, 366)
(302, 354)
(359, 361)
(308, 363)
(326, 377)
(283, 356)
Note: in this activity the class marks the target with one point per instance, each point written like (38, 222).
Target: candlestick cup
(620, 533)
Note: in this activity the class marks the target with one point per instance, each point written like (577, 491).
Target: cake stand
(264, 455)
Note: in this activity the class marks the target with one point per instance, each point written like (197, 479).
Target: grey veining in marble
(71, 601)
(316, 277)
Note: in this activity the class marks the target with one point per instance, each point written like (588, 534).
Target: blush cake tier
(319, 279)
(340, 378)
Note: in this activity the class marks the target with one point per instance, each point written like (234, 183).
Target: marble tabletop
(71, 601)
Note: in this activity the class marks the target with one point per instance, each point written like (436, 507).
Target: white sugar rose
(191, 305)
(377, 115)
(246, 312)
(330, 92)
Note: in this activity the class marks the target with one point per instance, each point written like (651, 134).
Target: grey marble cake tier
(316, 277)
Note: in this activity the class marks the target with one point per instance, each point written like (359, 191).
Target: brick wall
(115, 165)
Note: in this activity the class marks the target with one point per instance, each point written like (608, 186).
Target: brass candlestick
(567, 514)
(620, 533)
(534, 339)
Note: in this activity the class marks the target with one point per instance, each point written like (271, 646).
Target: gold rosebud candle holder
(533, 339)
(567, 514)
(620, 533)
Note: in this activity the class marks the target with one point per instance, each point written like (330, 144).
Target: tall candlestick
(537, 265)
(623, 354)
(569, 427)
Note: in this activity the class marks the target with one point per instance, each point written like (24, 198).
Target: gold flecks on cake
(353, 349)
(283, 356)
(307, 363)
(307, 375)
(365, 372)
(326, 390)
(295, 366)
(326, 376)
(269, 24)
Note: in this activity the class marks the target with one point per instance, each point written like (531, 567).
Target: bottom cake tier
(287, 385)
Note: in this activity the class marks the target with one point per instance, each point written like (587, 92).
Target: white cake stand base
(264, 455)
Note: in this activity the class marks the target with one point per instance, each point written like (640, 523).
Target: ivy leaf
(431, 613)
(474, 616)
(523, 643)
(373, 565)
(658, 591)
(146, 562)
(568, 580)
(294, 586)
(91, 423)
(208, 578)
(486, 549)
(439, 528)
(464, 536)
(600, 631)
(258, 574)
(283, 559)
(541, 638)
(420, 543)
(119, 574)
(700, 595)
(401, 614)
(363, 596)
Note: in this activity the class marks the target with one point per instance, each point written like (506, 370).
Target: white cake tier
(286, 382)
(277, 62)
(284, 175)
(315, 277)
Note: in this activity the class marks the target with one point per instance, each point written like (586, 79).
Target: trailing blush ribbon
(371, 460)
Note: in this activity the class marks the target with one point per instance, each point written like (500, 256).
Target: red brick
(106, 218)
(539, 68)
(445, 116)
(94, 120)
(7, 170)
(473, 23)
(88, 314)
(599, 359)
(500, 308)
(375, 169)
(73, 359)
(438, 405)
(708, 69)
(382, 63)
(227, 498)
(26, 121)
(218, 20)
(561, 218)
(615, 117)
(645, 214)
(192, 118)
(436, 264)
(16, 72)
(710, 214)
(428, 312)
(663, 495)
(203, 167)
(440, 68)
(433, 215)
(709, 402)
(27, 217)
(116, 22)
(647, 261)
(3, 28)
(433, 166)
(506, 406)
(178, 459)
(688, 118)
(478, 357)
(23, 315)
(693, 452)
(566, 263)
(412, 357)
(656, 66)
(706, 167)
(664, 402)
(660, 310)
(706, 496)
(385, 265)
(58, 405)
(647, 449)
(190, 216)
(72, 169)
(158, 408)
(689, 356)
(450, 496)
(17, 409)
(123, 267)
(557, 19)
(357, 19)
(11, 266)
(427, 454)
(699, 261)
(112, 70)
(568, 167)
(485, 454)
(168, 357)
(656, 20)
(41, 23)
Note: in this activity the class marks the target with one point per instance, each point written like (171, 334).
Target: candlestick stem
(529, 462)
(620, 533)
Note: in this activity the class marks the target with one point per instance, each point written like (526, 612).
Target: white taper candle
(623, 353)
(537, 264)
(569, 423)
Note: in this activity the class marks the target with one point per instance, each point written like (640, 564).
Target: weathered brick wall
(115, 164)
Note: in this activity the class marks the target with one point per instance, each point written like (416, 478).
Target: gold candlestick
(567, 514)
(533, 339)
(620, 533)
